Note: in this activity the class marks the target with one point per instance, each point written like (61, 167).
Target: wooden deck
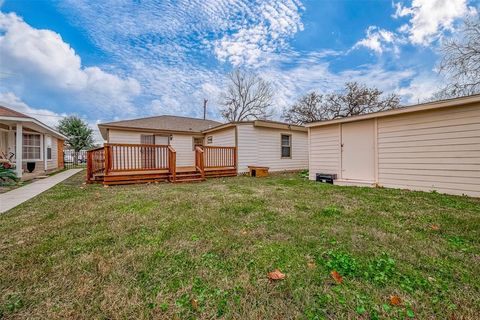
(130, 164)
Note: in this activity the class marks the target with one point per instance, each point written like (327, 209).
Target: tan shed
(427, 147)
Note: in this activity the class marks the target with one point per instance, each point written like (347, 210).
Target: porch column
(45, 152)
(19, 150)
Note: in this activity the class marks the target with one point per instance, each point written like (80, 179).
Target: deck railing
(220, 157)
(95, 161)
(199, 160)
(136, 157)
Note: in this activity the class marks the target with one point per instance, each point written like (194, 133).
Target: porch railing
(220, 157)
(95, 162)
(199, 160)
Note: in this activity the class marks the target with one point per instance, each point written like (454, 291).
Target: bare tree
(247, 97)
(306, 109)
(353, 100)
(358, 99)
(460, 62)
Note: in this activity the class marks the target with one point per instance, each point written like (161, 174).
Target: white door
(358, 150)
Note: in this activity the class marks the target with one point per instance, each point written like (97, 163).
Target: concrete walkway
(11, 199)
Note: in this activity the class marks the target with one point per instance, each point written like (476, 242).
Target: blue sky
(108, 60)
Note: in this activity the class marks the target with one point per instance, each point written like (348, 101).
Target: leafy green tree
(79, 135)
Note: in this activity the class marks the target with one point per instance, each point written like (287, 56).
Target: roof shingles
(165, 123)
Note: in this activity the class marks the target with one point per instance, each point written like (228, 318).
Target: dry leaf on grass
(311, 265)
(336, 276)
(194, 304)
(395, 300)
(276, 275)
(435, 227)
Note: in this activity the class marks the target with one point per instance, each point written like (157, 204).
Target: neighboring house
(24, 140)
(165, 145)
(277, 145)
(431, 146)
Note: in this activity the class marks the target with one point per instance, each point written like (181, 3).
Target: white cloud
(39, 60)
(254, 41)
(10, 100)
(429, 18)
(376, 39)
(46, 116)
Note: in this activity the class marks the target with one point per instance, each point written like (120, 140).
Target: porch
(28, 147)
(142, 163)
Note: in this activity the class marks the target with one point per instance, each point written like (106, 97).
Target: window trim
(209, 139)
(25, 159)
(289, 146)
(48, 146)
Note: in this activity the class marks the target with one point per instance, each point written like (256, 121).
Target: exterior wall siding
(222, 138)
(247, 147)
(269, 149)
(183, 145)
(324, 150)
(52, 164)
(433, 150)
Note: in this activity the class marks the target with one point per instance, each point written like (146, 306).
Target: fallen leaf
(336, 276)
(435, 227)
(194, 304)
(395, 300)
(276, 275)
(243, 231)
(311, 265)
(105, 185)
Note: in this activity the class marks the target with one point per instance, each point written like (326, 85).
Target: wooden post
(172, 163)
(107, 159)
(89, 166)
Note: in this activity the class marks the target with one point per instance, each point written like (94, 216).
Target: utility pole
(205, 109)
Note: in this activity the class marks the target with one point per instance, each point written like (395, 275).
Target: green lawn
(204, 250)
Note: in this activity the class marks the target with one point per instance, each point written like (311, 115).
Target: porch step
(221, 173)
(190, 176)
(134, 178)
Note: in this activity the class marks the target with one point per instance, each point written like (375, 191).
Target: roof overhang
(409, 109)
(103, 130)
(259, 123)
(37, 125)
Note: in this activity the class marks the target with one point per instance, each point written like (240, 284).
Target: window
(31, 147)
(286, 141)
(209, 139)
(147, 139)
(48, 143)
(197, 142)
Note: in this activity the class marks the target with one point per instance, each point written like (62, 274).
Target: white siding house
(259, 144)
(433, 146)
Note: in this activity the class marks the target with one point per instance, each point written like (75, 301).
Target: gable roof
(162, 123)
(6, 112)
(18, 117)
(454, 102)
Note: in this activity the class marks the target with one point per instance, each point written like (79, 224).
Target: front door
(358, 150)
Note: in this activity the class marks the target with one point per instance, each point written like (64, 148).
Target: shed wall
(433, 150)
(324, 150)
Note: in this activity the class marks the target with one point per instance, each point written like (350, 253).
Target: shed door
(358, 150)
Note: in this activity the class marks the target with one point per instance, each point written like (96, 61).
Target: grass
(204, 251)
